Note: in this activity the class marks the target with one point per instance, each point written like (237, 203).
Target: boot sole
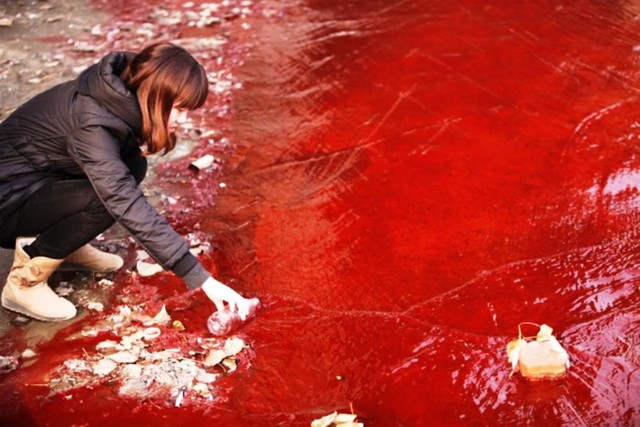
(20, 310)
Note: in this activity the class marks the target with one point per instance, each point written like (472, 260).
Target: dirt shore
(27, 62)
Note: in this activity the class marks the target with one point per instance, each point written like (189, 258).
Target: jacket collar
(101, 82)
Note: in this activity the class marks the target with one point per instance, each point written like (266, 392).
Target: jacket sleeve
(97, 152)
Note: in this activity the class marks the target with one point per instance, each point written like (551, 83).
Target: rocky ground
(27, 62)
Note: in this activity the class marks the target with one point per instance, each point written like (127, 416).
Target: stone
(123, 357)
(104, 367)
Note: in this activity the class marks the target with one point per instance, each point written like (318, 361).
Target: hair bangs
(194, 90)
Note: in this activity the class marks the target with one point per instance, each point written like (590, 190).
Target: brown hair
(164, 75)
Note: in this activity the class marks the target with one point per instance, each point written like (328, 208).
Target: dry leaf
(230, 363)
(214, 357)
(233, 346)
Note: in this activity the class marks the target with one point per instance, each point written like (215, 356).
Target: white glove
(220, 293)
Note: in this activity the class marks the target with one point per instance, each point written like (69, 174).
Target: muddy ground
(28, 64)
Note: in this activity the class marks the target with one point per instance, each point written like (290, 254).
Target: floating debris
(196, 250)
(122, 316)
(337, 420)
(20, 320)
(77, 365)
(104, 367)
(152, 333)
(232, 346)
(543, 358)
(203, 162)
(64, 289)
(106, 347)
(105, 282)
(222, 322)
(28, 354)
(140, 365)
(8, 364)
(206, 377)
(123, 357)
(95, 306)
(162, 317)
(180, 396)
(177, 325)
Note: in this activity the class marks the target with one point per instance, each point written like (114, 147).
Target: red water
(408, 182)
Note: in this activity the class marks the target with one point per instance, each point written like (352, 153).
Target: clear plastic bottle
(221, 323)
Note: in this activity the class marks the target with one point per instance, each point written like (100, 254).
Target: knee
(92, 203)
(97, 213)
(95, 206)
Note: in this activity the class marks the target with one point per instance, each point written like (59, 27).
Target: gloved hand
(220, 293)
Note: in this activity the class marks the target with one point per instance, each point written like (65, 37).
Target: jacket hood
(101, 82)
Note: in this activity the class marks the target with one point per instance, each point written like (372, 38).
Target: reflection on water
(416, 179)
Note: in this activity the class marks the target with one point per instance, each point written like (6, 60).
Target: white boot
(92, 259)
(27, 291)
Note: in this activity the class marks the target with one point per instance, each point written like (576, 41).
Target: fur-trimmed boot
(27, 291)
(92, 259)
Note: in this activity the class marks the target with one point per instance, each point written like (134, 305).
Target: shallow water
(409, 182)
(417, 179)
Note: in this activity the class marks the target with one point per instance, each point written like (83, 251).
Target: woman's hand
(220, 293)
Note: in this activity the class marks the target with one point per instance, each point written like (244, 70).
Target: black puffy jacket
(90, 127)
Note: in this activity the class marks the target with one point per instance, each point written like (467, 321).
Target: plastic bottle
(221, 323)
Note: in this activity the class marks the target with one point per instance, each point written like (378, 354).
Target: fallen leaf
(233, 346)
(214, 357)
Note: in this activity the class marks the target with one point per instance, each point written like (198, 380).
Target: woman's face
(176, 117)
